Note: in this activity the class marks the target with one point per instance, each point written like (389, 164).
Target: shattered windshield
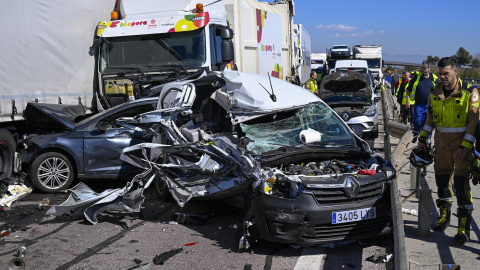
(272, 131)
(153, 52)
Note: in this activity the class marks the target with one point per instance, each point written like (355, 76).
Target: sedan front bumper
(304, 220)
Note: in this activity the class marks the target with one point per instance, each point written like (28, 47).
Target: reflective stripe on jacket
(404, 98)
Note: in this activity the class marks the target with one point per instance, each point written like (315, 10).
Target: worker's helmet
(421, 158)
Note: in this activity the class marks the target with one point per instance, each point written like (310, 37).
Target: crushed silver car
(304, 175)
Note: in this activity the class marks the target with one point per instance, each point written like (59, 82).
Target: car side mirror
(377, 99)
(102, 127)
(358, 130)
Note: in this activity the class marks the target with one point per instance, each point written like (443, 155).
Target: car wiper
(334, 144)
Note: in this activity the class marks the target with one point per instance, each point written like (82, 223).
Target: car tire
(51, 172)
(161, 189)
(7, 153)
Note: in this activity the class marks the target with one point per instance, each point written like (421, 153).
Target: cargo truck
(373, 55)
(73, 53)
(302, 54)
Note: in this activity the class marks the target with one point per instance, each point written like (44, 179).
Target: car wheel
(7, 150)
(161, 188)
(51, 172)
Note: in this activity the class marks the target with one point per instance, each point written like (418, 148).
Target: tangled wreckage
(305, 177)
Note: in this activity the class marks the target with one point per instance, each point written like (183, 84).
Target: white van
(352, 65)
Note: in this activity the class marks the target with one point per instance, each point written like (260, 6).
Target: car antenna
(272, 96)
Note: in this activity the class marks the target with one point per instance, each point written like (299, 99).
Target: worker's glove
(475, 174)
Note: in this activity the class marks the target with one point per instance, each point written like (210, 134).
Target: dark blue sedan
(90, 148)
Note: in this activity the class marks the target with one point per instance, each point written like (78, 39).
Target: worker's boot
(444, 219)
(464, 220)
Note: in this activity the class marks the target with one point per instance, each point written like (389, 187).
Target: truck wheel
(161, 189)
(51, 172)
(7, 152)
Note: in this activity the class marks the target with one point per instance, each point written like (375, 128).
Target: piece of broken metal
(83, 201)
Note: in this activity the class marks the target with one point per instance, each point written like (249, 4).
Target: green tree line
(470, 64)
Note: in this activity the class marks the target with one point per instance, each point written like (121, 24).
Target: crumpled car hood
(250, 94)
(345, 83)
(63, 114)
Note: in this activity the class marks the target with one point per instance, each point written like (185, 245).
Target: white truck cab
(352, 65)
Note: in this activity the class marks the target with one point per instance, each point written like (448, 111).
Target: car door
(103, 146)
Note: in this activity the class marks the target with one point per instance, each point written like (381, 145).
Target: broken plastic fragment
(190, 244)
(412, 212)
(4, 232)
(14, 193)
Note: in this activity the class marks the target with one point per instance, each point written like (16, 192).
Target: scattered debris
(133, 241)
(190, 244)
(18, 262)
(380, 258)
(185, 218)
(141, 266)
(4, 232)
(13, 193)
(44, 203)
(412, 212)
(162, 258)
(137, 261)
(83, 201)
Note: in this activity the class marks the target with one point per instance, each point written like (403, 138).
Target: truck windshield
(153, 52)
(373, 63)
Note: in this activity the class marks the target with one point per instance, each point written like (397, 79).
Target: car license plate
(354, 215)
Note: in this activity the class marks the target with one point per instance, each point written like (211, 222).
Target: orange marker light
(114, 15)
(199, 8)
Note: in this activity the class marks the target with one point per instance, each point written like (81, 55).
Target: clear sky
(408, 30)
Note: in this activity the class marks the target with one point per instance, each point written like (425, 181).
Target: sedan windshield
(272, 131)
(153, 52)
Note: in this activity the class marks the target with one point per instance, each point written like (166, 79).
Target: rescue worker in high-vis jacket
(453, 110)
(311, 83)
(418, 91)
(405, 113)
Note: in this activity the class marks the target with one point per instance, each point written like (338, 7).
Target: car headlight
(372, 111)
(282, 187)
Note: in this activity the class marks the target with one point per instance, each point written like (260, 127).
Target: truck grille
(328, 196)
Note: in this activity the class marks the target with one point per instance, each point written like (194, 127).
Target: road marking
(311, 258)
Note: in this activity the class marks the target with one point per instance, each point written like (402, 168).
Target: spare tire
(7, 153)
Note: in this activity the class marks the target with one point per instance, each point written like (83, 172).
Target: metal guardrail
(400, 254)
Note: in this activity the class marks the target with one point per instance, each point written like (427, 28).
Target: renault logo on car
(352, 187)
(345, 116)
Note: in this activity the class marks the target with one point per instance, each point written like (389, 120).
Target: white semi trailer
(100, 54)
